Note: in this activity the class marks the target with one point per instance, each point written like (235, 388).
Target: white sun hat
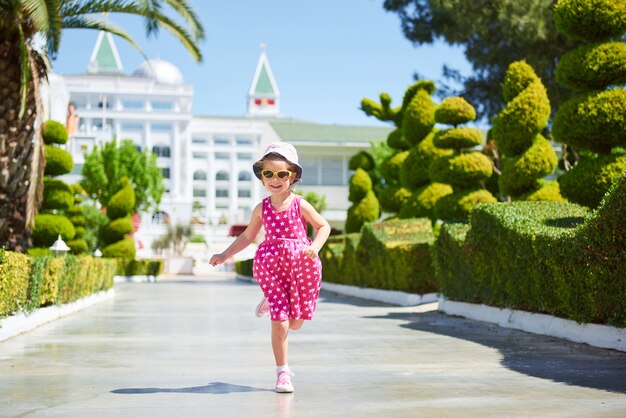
(285, 150)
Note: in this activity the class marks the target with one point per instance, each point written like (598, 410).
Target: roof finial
(263, 46)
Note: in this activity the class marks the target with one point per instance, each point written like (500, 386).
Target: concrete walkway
(192, 347)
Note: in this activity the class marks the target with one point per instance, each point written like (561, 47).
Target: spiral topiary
(58, 161)
(365, 206)
(595, 120)
(464, 171)
(115, 233)
(392, 197)
(527, 156)
(422, 202)
(54, 132)
(413, 172)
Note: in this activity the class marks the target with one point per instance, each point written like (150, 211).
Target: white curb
(602, 336)
(392, 297)
(134, 279)
(20, 322)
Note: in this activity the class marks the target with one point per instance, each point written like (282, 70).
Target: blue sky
(326, 55)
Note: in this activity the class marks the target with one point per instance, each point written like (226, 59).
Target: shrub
(58, 161)
(397, 141)
(458, 138)
(363, 160)
(592, 20)
(339, 260)
(547, 190)
(126, 267)
(360, 184)
(414, 170)
(48, 227)
(77, 246)
(593, 66)
(458, 205)
(390, 168)
(422, 202)
(418, 117)
(122, 202)
(520, 174)
(455, 111)
(595, 121)
(463, 170)
(244, 267)
(116, 230)
(366, 210)
(54, 132)
(14, 275)
(56, 194)
(588, 182)
(120, 249)
(392, 198)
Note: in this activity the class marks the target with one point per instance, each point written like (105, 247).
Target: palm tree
(25, 24)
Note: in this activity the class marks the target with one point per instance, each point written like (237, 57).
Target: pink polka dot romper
(289, 279)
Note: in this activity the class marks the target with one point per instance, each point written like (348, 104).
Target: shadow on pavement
(330, 297)
(216, 388)
(531, 354)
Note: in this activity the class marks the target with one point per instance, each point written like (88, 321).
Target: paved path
(192, 348)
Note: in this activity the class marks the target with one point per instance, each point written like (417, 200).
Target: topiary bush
(422, 202)
(116, 230)
(527, 156)
(392, 198)
(48, 227)
(455, 111)
(115, 233)
(413, 172)
(121, 203)
(56, 195)
(362, 159)
(360, 184)
(595, 120)
(58, 161)
(120, 249)
(54, 132)
(362, 211)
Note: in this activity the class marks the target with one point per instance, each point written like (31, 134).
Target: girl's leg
(295, 324)
(280, 344)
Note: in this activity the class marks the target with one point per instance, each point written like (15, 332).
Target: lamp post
(59, 248)
(97, 253)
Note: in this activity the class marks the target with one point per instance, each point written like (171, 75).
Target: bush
(418, 117)
(547, 190)
(414, 170)
(116, 230)
(339, 260)
(392, 198)
(594, 20)
(595, 121)
(458, 205)
(121, 203)
(422, 202)
(366, 210)
(520, 173)
(48, 227)
(54, 133)
(360, 184)
(390, 168)
(77, 246)
(454, 111)
(56, 194)
(244, 267)
(397, 141)
(464, 170)
(120, 249)
(126, 267)
(458, 138)
(593, 66)
(363, 160)
(587, 183)
(58, 161)
(14, 276)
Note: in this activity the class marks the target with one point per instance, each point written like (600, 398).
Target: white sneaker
(283, 382)
(262, 308)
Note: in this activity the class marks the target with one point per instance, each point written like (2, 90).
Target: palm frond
(81, 8)
(186, 12)
(182, 35)
(53, 34)
(25, 72)
(35, 11)
(150, 9)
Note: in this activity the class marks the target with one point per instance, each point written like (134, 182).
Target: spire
(263, 96)
(105, 58)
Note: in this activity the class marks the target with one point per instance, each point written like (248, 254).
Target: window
(161, 151)
(242, 141)
(129, 126)
(165, 172)
(244, 176)
(199, 175)
(199, 193)
(324, 171)
(244, 156)
(162, 105)
(244, 193)
(221, 141)
(132, 104)
(221, 193)
(199, 155)
(199, 141)
(105, 102)
(161, 127)
(222, 156)
(222, 175)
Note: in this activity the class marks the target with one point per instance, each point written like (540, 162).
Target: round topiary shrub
(363, 160)
(121, 203)
(397, 141)
(591, 20)
(48, 227)
(366, 210)
(54, 132)
(455, 111)
(520, 174)
(422, 201)
(121, 249)
(360, 184)
(390, 168)
(458, 205)
(58, 161)
(78, 246)
(588, 182)
(548, 190)
(414, 170)
(56, 194)
(392, 197)
(116, 230)
(593, 66)
(461, 171)
(458, 138)
(75, 215)
(595, 121)
(418, 113)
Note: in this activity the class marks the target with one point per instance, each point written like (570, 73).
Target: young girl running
(286, 265)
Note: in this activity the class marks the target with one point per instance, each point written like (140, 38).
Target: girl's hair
(273, 156)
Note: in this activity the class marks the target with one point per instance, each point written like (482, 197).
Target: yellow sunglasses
(282, 174)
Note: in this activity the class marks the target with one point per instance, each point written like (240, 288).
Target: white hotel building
(204, 159)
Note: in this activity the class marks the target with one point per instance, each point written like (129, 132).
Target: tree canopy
(494, 34)
(105, 167)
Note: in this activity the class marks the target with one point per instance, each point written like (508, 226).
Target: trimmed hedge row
(139, 267)
(551, 257)
(27, 283)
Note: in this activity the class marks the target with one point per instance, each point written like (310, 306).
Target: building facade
(206, 161)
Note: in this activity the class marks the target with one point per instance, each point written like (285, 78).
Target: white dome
(164, 72)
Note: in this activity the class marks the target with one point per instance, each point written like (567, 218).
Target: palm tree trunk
(16, 150)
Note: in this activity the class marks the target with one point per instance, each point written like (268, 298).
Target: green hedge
(244, 267)
(139, 267)
(550, 257)
(390, 255)
(27, 283)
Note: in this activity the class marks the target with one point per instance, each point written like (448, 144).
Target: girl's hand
(217, 259)
(310, 252)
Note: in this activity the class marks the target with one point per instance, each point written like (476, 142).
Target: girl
(286, 264)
